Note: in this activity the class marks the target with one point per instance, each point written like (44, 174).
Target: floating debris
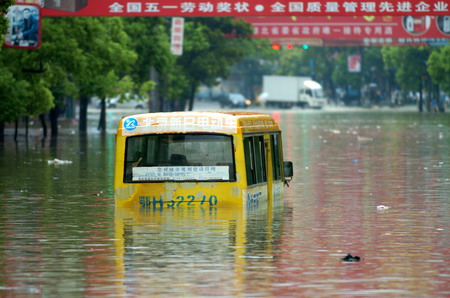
(364, 139)
(58, 162)
(383, 207)
(350, 258)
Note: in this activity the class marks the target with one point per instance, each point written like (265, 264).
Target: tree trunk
(16, 129)
(163, 93)
(179, 105)
(153, 100)
(26, 126)
(329, 82)
(2, 131)
(54, 114)
(420, 103)
(191, 99)
(70, 108)
(44, 124)
(441, 104)
(84, 100)
(102, 121)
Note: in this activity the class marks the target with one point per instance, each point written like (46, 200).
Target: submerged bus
(166, 160)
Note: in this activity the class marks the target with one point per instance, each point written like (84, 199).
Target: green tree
(4, 5)
(438, 65)
(293, 63)
(316, 62)
(150, 40)
(79, 57)
(345, 80)
(260, 60)
(60, 56)
(209, 53)
(410, 67)
(104, 56)
(8, 108)
(74, 55)
(373, 78)
(12, 91)
(23, 91)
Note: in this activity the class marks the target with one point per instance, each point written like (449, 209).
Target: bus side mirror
(288, 172)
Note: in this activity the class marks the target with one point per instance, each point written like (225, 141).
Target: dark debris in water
(350, 258)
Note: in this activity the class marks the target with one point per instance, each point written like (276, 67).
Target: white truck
(289, 91)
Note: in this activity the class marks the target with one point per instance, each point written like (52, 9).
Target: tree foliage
(79, 57)
(12, 92)
(409, 64)
(260, 60)
(103, 48)
(149, 39)
(438, 66)
(22, 93)
(208, 53)
(4, 5)
(86, 57)
(384, 67)
(104, 57)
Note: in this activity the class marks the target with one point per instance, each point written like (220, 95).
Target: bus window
(275, 143)
(260, 159)
(249, 161)
(180, 157)
(255, 159)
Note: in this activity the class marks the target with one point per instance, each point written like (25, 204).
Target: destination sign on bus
(173, 123)
(196, 122)
(181, 173)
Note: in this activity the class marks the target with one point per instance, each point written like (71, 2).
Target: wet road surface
(60, 234)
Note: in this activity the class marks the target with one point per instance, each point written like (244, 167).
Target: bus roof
(228, 122)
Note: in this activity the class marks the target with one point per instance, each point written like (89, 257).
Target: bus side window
(276, 156)
(260, 159)
(255, 159)
(249, 161)
(134, 156)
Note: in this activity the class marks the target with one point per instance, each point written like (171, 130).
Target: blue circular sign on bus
(130, 124)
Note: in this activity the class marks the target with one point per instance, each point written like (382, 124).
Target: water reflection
(60, 234)
(194, 251)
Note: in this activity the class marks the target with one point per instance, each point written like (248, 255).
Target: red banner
(362, 30)
(199, 8)
(354, 63)
(176, 38)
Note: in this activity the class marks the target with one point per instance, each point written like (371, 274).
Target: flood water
(61, 236)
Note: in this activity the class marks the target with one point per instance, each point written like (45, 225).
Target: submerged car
(233, 100)
(126, 102)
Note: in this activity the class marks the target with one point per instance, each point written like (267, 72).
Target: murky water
(60, 234)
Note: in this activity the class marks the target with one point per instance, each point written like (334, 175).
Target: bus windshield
(179, 157)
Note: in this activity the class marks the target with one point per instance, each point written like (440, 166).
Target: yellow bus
(167, 160)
